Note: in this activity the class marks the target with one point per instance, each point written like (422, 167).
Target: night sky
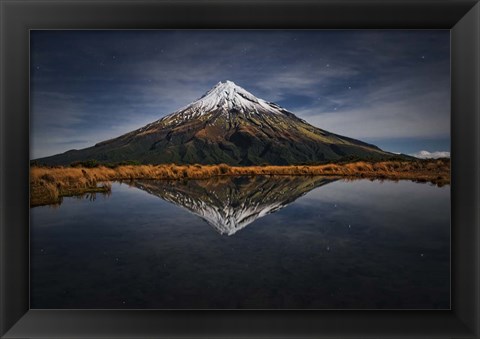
(386, 87)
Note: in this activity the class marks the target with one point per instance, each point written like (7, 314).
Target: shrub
(223, 168)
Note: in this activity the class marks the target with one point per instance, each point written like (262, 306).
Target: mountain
(226, 125)
(229, 204)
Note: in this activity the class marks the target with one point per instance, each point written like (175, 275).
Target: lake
(245, 243)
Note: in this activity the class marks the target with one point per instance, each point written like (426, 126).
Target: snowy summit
(228, 95)
(229, 98)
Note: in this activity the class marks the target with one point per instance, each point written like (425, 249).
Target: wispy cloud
(396, 112)
(431, 155)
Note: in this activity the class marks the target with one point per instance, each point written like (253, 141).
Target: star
(423, 56)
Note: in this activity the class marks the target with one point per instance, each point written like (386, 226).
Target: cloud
(301, 79)
(411, 105)
(419, 116)
(431, 155)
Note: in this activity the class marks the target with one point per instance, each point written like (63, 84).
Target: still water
(245, 243)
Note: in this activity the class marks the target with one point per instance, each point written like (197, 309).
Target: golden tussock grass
(48, 185)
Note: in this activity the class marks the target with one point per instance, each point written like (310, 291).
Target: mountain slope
(226, 125)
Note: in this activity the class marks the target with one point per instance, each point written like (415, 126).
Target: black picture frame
(17, 17)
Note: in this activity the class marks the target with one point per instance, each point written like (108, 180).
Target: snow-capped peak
(230, 98)
(227, 89)
(228, 95)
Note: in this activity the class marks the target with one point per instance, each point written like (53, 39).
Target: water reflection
(355, 245)
(231, 203)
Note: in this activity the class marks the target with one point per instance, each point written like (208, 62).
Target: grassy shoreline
(49, 184)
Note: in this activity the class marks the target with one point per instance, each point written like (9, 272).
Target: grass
(49, 184)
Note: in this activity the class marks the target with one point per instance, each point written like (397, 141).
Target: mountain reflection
(231, 203)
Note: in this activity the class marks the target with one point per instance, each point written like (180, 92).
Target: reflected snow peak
(231, 203)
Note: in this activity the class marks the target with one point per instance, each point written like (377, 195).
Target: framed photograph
(229, 169)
